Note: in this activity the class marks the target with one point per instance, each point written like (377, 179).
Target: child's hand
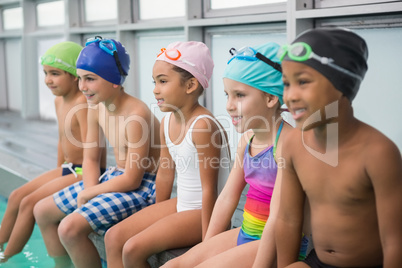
(83, 197)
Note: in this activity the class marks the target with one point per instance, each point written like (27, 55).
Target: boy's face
(307, 91)
(59, 81)
(95, 88)
(245, 106)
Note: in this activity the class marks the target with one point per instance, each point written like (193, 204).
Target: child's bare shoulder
(136, 107)
(244, 139)
(374, 143)
(291, 136)
(208, 121)
(286, 129)
(80, 99)
(58, 100)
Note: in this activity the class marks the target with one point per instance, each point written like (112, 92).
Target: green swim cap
(256, 73)
(62, 56)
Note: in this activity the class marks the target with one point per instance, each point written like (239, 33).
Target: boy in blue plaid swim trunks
(101, 200)
(107, 209)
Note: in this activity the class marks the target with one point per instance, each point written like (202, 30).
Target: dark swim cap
(347, 49)
(98, 57)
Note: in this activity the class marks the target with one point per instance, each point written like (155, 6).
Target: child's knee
(40, 212)
(113, 239)
(27, 204)
(14, 200)
(68, 229)
(131, 249)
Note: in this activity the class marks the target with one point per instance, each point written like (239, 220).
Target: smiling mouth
(160, 101)
(236, 119)
(89, 96)
(298, 113)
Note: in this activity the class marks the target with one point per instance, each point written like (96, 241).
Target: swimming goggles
(175, 55)
(302, 51)
(250, 54)
(50, 59)
(109, 47)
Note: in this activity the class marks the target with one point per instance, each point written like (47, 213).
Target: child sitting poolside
(349, 172)
(98, 202)
(61, 78)
(253, 85)
(194, 145)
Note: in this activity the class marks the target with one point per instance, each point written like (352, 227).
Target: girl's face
(247, 106)
(95, 88)
(58, 81)
(308, 94)
(169, 91)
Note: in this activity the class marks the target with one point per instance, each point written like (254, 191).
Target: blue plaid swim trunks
(105, 210)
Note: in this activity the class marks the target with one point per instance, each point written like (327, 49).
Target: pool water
(34, 254)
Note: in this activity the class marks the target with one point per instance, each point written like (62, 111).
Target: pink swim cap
(192, 56)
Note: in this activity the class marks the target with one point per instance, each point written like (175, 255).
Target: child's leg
(117, 235)
(207, 249)
(15, 198)
(240, 256)
(298, 264)
(25, 221)
(48, 217)
(73, 232)
(174, 231)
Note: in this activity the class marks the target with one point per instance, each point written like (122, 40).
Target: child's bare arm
(60, 154)
(92, 150)
(166, 171)
(208, 140)
(289, 220)
(229, 198)
(384, 167)
(266, 254)
(82, 117)
(137, 130)
(208, 156)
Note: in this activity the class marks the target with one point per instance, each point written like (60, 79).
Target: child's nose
(290, 94)
(155, 91)
(48, 79)
(230, 104)
(82, 86)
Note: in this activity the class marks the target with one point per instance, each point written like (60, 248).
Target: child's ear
(192, 85)
(271, 100)
(115, 86)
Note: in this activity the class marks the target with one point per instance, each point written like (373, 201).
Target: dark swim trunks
(313, 261)
(69, 168)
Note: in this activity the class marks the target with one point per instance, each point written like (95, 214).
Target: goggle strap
(232, 51)
(275, 65)
(116, 57)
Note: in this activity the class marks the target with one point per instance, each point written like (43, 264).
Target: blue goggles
(109, 47)
(250, 54)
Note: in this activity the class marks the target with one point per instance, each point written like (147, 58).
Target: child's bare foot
(3, 258)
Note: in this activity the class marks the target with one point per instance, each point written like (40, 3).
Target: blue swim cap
(257, 73)
(107, 58)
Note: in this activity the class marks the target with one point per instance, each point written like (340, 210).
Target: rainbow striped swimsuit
(260, 173)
